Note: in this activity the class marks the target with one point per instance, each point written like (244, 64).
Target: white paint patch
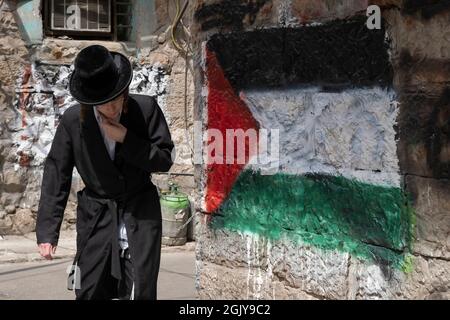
(373, 283)
(259, 279)
(249, 264)
(60, 86)
(350, 133)
(269, 273)
(35, 128)
(54, 79)
(35, 139)
(151, 81)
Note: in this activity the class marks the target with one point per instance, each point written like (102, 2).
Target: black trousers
(125, 287)
(95, 261)
(106, 286)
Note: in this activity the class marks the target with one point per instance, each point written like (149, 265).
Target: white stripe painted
(349, 133)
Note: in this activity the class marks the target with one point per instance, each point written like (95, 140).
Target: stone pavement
(25, 275)
(24, 248)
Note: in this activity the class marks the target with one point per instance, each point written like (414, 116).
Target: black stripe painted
(338, 54)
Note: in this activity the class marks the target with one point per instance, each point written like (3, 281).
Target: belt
(122, 197)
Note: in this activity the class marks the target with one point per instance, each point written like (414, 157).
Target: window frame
(78, 34)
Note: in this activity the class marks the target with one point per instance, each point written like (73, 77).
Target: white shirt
(110, 147)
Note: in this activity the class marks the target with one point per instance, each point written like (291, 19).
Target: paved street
(47, 279)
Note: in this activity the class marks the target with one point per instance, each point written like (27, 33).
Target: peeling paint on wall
(43, 97)
(152, 81)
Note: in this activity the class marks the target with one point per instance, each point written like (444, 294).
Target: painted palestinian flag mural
(322, 95)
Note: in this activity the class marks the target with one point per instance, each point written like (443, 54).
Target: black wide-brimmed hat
(99, 76)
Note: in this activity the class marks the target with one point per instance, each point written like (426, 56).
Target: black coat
(112, 188)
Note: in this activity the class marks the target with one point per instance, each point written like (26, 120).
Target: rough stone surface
(295, 271)
(432, 205)
(13, 53)
(231, 249)
(422, 37)
(22, 222)
(6, 223)
(306, 11)
(224, 283)
(301, 267)
(322, 273)
(236, 15)
(423, 143)
(235, 266)
(61, 51)
(429, 279)
(10, 209)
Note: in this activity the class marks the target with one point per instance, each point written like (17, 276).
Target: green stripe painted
(330, 212)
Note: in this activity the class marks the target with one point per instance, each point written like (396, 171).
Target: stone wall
(34, 95)
(14, 60)
(355, 205)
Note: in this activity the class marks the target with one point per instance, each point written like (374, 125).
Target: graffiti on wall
(328, 90)
(42, 98)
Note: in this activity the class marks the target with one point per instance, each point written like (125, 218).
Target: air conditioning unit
(81, 16)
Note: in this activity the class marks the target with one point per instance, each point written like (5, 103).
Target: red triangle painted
(225, 111)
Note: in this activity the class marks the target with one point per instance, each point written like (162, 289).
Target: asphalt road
(46, 280)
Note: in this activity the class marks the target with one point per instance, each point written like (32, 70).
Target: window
(84, 19)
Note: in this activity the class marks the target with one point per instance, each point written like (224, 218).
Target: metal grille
(81, 15)
(123, 17)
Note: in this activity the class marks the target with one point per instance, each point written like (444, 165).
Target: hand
(46, 250)
(113, 129)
